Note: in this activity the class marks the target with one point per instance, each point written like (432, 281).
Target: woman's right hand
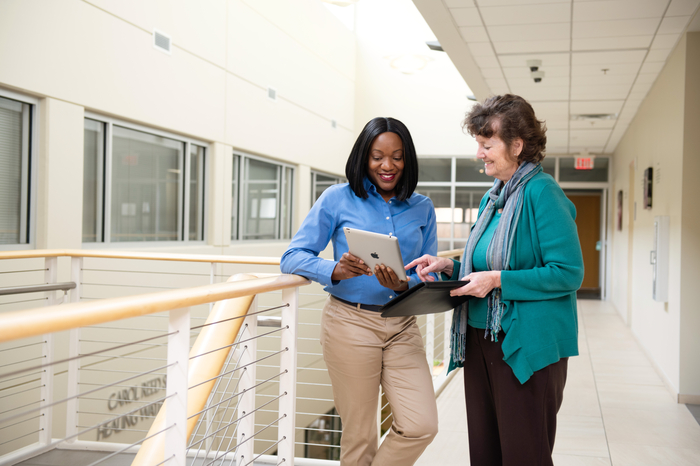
(427, 264)
(349, 266)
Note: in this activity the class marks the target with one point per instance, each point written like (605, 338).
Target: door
(588, 218)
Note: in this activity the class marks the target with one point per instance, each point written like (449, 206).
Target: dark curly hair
(509, 117)
(356, 166)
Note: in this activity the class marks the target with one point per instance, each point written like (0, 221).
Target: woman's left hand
(388, 279)
(480, 284)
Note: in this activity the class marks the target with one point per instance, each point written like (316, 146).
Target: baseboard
(689, 399)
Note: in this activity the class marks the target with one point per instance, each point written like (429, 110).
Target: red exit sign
(583, 163)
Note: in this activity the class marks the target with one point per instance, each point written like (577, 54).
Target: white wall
(690, 233)
(663, 136)
(98, 55)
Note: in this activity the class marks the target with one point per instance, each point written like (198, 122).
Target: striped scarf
(509, 197)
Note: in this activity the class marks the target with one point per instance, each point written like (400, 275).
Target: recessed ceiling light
(409, 63)
(341, 2)
(593, 116)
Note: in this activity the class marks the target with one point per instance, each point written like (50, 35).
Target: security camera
(537, 76)
(534, 65)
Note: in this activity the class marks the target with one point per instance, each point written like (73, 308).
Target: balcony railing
(92, 373)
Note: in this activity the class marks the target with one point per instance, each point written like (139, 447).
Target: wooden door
(588, 224)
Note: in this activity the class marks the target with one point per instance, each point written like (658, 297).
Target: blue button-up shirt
(412, 221)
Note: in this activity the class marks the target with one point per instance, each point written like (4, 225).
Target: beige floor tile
(669, 428)
(626, 396)
(574, 460)
(580, 436)
(625, 374)
(628, 357)
(644, 455)
(580, 402)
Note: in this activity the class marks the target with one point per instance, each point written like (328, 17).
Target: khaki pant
(363, 350)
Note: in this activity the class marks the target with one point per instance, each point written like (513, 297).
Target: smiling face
(500, 161)
(385, 164)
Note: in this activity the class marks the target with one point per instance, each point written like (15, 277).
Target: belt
(358, 306)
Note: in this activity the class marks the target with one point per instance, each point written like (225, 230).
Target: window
(262, 199)
(320, 182)
(456, 186)
(141, 185)
(15, 159)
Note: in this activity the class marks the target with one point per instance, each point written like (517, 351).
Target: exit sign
(583, 163)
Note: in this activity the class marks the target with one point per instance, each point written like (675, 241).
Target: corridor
(616, 411)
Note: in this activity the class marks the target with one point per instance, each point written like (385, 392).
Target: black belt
(366, 307)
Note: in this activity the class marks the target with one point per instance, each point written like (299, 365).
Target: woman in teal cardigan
(523, 263)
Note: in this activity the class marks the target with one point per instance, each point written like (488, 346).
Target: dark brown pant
(509, 423)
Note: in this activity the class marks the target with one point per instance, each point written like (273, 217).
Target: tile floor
(616, 411)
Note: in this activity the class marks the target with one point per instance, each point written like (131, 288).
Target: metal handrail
(65, 286)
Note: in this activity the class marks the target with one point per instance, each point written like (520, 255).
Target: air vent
(272, 93)
(334, 124)
(161, 41)
(594, 116)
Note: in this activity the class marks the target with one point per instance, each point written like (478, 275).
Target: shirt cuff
(325, 271)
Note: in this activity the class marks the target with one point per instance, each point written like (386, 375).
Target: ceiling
(598, 56)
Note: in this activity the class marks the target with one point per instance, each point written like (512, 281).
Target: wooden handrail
(106, 254)
(37, 321)
(451, 253)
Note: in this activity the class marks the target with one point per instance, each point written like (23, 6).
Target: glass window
(146, 180)
(93, 179)
(14, 171)
(434, 170)
(441, 200)
(472, 170)
(196, 194)
(467, 202)
(265, 193)
(567, 171)
(140, 186)
(320, 182)
(548, 165)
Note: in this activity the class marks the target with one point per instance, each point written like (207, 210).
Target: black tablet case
(425, 298)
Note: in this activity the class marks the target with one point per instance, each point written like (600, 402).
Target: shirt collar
(371, 188)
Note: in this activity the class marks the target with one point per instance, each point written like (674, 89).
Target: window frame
(241, 197)
(183, 179)
(314, 174)
(28, 205)
(453, 184)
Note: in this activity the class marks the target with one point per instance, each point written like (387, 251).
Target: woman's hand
(349, 266)
(430, 264)
(388, 279)
(480, 284)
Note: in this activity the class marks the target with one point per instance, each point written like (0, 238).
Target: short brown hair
(514, 118)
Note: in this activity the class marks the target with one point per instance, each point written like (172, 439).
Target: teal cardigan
(539, 289)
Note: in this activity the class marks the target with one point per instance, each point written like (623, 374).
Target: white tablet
(375, 248)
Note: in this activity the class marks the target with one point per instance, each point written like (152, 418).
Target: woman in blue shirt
(361, 349)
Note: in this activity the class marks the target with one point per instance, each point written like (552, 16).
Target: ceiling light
(340, 2)
(593, 116)
(434, 45)
(409, 63)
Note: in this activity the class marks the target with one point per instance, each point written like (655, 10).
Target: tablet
(425, 298)
(375, 249)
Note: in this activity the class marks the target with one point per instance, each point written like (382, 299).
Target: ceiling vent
(272, 93)
(594, 116)
(161, 41)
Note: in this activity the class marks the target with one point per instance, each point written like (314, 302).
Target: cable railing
(93, 374)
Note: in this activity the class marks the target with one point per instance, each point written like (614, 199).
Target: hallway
(616, 408)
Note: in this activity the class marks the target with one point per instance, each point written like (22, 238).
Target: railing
(112, 372)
